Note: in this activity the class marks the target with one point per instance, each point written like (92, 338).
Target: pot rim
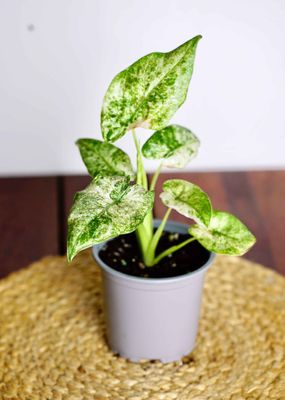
(121, 275)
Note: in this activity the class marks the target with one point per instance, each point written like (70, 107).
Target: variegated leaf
(104, 158)
(175, 145)
(187, 199)
(149, 92)
(225, 235)
(108, 207)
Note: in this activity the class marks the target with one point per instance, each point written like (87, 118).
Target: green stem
(149, 260)
(155, 176)
(141, 174)
(172, 249)
(144, 232)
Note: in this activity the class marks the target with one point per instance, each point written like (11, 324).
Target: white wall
(58, 56)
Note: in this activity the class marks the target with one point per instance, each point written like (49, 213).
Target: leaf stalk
(149, 259)
(172, 250)
(155, 177)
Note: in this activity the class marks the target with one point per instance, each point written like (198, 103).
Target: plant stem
(141, 174)
(149, 260)
(144, 232)
(172, 249)
(155, 176)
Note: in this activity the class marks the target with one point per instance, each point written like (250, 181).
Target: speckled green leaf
(149, 92)
(188, 199)
(225, 235)
(108, 207)
(104, 158)
(174, 144)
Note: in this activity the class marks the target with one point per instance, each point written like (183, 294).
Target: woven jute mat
(52, 338)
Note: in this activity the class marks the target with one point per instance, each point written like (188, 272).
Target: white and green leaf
(107, 208)
(175, 145)
(187, 199)
(149, 92)
(225, 234)
(104, 158)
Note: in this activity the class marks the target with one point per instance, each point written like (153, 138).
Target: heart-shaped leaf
(149, 92)
(174, 144)
(108, 207)
(188, 199)
(225, 235)
(104, 158)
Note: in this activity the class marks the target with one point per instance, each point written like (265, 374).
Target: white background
(57, 58)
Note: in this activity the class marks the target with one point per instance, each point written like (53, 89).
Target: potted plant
(152, 270)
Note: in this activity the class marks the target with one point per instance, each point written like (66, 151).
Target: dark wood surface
(33, 213)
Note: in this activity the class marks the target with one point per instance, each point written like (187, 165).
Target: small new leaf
(104, 158)
(175, 145)
(107, 208)
(188, 199)
(225, 235)
(149, 92)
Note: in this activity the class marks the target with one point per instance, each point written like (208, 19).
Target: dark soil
(123, 255)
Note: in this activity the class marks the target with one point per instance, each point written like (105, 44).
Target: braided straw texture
(52, 338)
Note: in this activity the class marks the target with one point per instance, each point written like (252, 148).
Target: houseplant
(153, 277)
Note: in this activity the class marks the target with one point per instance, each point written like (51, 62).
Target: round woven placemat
(52, 338)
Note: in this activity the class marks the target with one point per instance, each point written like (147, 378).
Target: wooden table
(33, 213)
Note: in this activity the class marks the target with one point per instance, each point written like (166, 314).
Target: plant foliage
(224, 235)
(147, 94)
(103, 158)
(187, 199)
(175, 145)
(107, 208)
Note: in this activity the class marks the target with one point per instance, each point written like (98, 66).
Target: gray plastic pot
(153, 319)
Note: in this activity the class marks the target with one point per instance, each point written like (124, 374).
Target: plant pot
(153, 319)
